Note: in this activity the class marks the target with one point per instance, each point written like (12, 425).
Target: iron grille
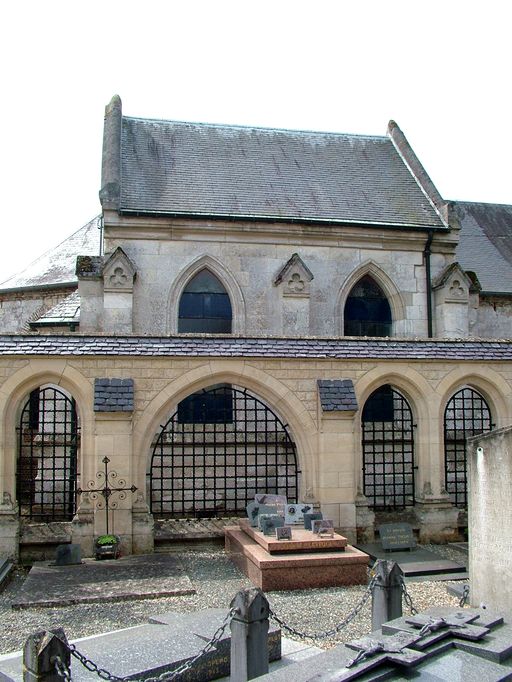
(212, 463)
(388, 450)
(48, 441)
(466, 414)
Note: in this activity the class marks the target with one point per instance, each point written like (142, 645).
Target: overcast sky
(442, 70)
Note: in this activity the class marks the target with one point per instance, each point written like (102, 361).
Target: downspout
(426, 255)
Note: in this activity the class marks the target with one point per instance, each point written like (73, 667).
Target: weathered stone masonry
(284, 373)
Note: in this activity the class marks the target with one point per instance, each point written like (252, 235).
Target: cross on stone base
(458, 624)
(108, 489)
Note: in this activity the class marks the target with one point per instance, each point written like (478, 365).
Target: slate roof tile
(212, 346)
(170, 167)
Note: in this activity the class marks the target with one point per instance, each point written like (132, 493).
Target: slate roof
(65, 312)
(113, 395)
(485, 245)
(337, 395)
(177, 168)
(209, 346)
(57, 266)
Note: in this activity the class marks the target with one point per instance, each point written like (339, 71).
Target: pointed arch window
(367, 310)
(205, 306)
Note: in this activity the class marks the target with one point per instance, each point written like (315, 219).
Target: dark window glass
(379, 406)
(211, 406)
(367, 311)
(205, 306)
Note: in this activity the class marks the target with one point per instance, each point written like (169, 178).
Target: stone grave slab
(302, 540)
(132, 577)
(395, 536)
(294, 570)
(68, 555)
(169, 640)
(418, 563)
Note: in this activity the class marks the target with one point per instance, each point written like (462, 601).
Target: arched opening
(388, 450)
(467, 414)
(367, 311)
(219, 448)
(205, 306)
(48, 451)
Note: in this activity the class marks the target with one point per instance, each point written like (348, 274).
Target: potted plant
(107, 546)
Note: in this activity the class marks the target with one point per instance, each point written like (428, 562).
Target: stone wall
(490, 519)
(248, 259)
(18, 308)
(328, 443)
(492, 318)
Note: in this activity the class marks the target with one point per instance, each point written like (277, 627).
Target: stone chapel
(254, 310)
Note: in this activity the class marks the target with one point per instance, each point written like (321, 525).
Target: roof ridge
(239, 126)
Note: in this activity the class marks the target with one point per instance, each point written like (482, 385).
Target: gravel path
(216, 580)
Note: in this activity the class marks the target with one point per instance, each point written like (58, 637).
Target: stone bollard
(387, 593)
(39, 654)
(249, 635)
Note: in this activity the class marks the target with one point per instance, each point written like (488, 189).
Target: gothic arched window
(205, 306)
(367, 311)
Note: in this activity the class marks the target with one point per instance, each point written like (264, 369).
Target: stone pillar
(118, 278)
(142, 527)
(114, 440)
(437, 518)
(490, 519)
(365, 520)
(9, 528)
(82, 526)
(451, 303)
(294, 282)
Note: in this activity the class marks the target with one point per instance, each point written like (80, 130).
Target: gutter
(428, 281)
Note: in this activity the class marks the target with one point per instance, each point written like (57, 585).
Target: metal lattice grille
(388, 450)
(467, 414)
(220, 448)
(48, 442)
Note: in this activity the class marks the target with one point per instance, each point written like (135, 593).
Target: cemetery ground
(215, 581)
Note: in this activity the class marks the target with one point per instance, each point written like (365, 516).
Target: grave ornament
(310, 517)
(269, 522)
(283, 533)
(396, 536)
(253, 510)
(294, 513)
(323, 528)
(279, 502)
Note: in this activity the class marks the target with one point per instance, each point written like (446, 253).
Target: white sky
(441, 69)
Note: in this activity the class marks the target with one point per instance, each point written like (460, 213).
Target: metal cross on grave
(458, 624)
(108, 478)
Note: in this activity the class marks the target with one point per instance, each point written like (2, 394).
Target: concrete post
(387, 593)
(249, 635)
(39, 655)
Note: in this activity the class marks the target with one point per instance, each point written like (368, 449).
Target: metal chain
(464, 598)
(61, 668)
(325, 634)
(408, 599)
(164, 677)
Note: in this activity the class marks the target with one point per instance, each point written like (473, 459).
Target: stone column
(9, 528)
(82, 526)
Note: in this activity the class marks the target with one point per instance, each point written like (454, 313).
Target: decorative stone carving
(118, 272)
(295, 277)
(452, 285)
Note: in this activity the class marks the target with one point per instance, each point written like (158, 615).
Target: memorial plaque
(397, 536)
(279, 502)
(253, 510)
(284, 533)
(312, 516)
(323, 527)
(294, 513)
(269, 523)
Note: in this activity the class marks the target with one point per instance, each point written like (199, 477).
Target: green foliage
(106, 540)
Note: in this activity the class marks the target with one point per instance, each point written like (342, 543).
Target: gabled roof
(57, 266)
(485, 245)
(192, 169)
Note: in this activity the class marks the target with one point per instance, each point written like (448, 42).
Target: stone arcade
(259, 311)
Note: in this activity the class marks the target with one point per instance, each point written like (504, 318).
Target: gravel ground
(216, 580)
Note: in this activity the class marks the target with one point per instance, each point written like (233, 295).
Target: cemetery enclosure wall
(328, 443)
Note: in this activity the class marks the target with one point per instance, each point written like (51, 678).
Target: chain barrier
(64, 672)
(465, 596)
(408, 599)
(325, 634)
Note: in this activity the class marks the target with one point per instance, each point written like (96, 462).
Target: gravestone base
(294, 570)
(438, 520)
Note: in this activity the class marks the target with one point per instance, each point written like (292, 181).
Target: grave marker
(395, 536)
